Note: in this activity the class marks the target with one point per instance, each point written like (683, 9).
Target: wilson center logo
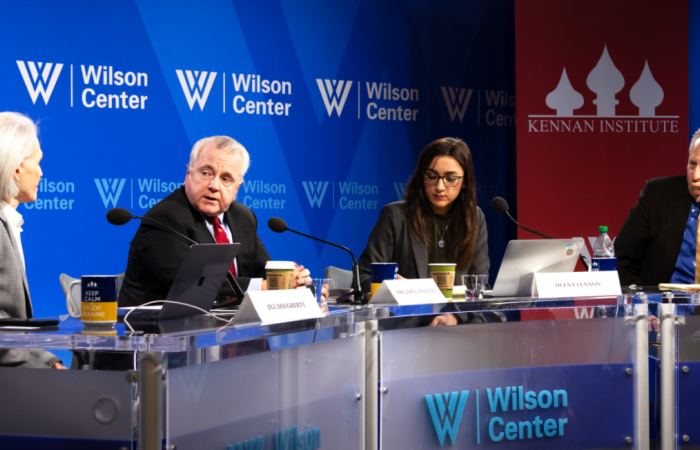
(315, 191)
(196, 86)
(511, 410)
(110, 189)
(334, 93)
(40, 83)
(446, 420)
(457, 100)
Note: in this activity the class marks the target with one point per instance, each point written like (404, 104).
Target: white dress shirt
(15, 221)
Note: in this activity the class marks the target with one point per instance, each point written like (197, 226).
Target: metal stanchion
(668, 375)
(371, 385)
(150, 387)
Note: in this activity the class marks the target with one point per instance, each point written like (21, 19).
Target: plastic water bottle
(603, 252)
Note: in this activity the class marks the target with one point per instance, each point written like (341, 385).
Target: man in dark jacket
(657, 243)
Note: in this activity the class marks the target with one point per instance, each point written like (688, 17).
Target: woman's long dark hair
(462, 230)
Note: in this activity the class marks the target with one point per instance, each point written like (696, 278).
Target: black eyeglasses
(433, 179)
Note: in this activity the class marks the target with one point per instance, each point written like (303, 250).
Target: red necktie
(221, 238)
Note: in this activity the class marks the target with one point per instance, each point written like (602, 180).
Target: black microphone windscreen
(277, 225)
(118, 216)
(500, 205)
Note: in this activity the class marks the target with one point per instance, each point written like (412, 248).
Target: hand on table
(301, 276)
(60, 366)
(445, 319)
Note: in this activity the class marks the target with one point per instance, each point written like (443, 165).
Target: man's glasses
(208, 175)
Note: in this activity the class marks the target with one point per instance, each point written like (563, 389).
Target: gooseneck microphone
(280, 226)
(121, 216)
(501, 207)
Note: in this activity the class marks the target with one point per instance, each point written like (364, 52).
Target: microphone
(280, 226)
(118, 216)
(501, 207)
(121, 216)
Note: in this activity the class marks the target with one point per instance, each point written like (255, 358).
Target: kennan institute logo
(40, 78)
(196, 85)
(334, 93)
(606, 81)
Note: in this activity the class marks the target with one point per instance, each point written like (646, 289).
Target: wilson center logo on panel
(196, 86)
(110, 189)
(332, 91)
(315, 191)
(446, 419)
(457, 100)
(40, 83)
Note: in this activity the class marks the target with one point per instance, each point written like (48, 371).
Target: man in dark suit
(657, 242)
(203, 209)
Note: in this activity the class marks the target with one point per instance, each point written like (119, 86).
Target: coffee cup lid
(279, 265)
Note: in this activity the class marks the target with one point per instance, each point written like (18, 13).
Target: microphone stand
(356, 293)
(527, 229)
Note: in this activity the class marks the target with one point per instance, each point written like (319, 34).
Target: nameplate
(267, 307)
(408, 292)
(576, 284)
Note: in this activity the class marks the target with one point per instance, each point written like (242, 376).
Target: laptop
(524, 258)
(197, 283)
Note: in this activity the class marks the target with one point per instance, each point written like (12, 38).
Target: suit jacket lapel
(678, 211)
(237, 232)
(11, 234)
(420, 253)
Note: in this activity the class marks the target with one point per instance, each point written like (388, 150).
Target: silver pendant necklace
(441, 242)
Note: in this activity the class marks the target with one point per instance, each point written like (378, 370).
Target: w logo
(196, 89)
(110, 190)
(583, 313)
(400, 188)
(333, 90)
(40, 84)
(456, 100)
(315, 190)
(191, 380)
(440, 420)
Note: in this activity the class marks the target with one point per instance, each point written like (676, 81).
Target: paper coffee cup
(444, 276)
(280, 275)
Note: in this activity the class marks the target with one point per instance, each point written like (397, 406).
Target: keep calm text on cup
(444, 276)
(380, 272)
(98, 299)
(280, 275)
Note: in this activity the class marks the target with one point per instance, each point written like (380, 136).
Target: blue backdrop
(333, 100)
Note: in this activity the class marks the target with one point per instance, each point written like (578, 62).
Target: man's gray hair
(693, 141)
(222, 143)
(18, 135)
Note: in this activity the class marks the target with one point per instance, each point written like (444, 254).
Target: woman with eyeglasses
(437, 222)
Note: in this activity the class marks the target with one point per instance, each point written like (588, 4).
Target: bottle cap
(603, 229)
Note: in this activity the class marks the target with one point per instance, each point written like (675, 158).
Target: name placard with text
(408, 292)
(577, 284)
(277, 307)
